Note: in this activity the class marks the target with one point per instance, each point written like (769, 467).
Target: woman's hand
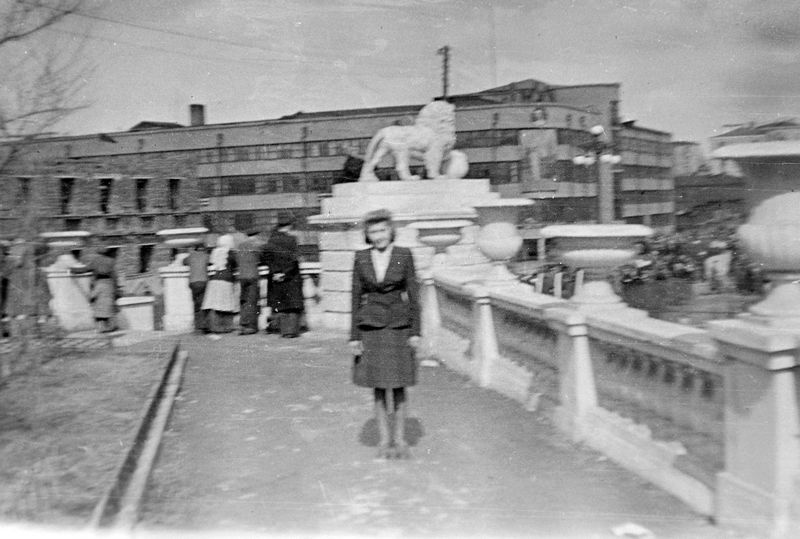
(356, 348)
(414, 341)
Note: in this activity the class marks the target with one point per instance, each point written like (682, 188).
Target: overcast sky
(686, 66)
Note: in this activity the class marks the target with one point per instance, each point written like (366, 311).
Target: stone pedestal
(136, 313)
(762, 428)
(178, 306)
(70, 298)
(410, 202)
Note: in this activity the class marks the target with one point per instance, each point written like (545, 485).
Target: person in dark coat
(284, 282)
(249, 255)
(385, 327)
(197, 260)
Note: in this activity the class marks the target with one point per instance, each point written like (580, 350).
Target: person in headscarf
(219, 302)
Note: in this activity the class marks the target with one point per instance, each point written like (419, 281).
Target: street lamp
(601, 152)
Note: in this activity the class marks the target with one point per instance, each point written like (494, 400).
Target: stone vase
(772, 238)
(598, 250)
(498, 238)
(440, 235)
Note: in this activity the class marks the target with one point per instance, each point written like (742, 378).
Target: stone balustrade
(711, 417)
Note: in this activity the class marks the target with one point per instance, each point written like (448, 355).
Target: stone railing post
(762, 449)
(311, 297)
(70, 298)
(484, 341)
(577, 391)
(431, 319)
(178, 306)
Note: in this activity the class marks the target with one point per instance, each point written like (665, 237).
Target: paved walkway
(270, 436)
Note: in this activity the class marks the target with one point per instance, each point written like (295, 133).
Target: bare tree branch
(41, 73)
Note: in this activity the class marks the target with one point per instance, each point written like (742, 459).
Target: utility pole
(445, 52)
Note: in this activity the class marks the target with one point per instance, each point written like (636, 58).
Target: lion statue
(431, 138)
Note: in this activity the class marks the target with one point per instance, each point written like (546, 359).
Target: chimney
(197, 115)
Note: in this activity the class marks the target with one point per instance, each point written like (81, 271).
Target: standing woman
(219, 301)
(385, 327)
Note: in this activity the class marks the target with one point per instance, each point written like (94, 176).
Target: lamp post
(601, 152)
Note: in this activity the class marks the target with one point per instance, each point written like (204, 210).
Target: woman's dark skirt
(387, 360)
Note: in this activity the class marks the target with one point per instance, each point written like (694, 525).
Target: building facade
(522, 136)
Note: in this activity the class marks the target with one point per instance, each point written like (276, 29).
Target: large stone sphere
(771, 235)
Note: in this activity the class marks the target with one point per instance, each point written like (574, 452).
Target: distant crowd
(710, 252)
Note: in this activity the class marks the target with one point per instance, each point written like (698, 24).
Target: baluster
(578, 281)
(558, 281)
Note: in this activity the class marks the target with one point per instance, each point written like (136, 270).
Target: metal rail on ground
(119, 507)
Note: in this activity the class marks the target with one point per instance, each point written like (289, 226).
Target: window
(23, 191)
(291, 184)
(72, 224)
(67, 184)
(105, 193)
(146, 223)
(241, 185)
(206, 187)
(141, 194)
(243, 221)
(112, 223)
(180, 221)
(145, 255)
(174, 192)
(242, 154)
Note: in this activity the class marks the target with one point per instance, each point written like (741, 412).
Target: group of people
(213, 277)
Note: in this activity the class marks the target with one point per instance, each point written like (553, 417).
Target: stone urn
(65, 242)
(440, 235)
(771, 237)
(498, 238)
(178, 306)
(181, 238)
(598, 250)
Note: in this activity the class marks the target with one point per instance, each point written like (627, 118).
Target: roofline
(649, 129)
(594, 84)
(316, 115)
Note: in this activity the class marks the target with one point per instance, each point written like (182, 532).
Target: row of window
(486, 138)
(321, 182)
(105, 187)
(643, 146)
(264, 184)
(115, 224)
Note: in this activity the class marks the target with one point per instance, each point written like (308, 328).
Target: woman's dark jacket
(393, 303)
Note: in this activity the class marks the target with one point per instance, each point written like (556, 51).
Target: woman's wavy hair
(374, 217)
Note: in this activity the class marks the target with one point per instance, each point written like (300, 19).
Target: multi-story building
(703, 194)
(522, 136)
(766, 155)
(687, 158)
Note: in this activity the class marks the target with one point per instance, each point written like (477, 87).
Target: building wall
(687, 158)
(36, 199)
(246, 172)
